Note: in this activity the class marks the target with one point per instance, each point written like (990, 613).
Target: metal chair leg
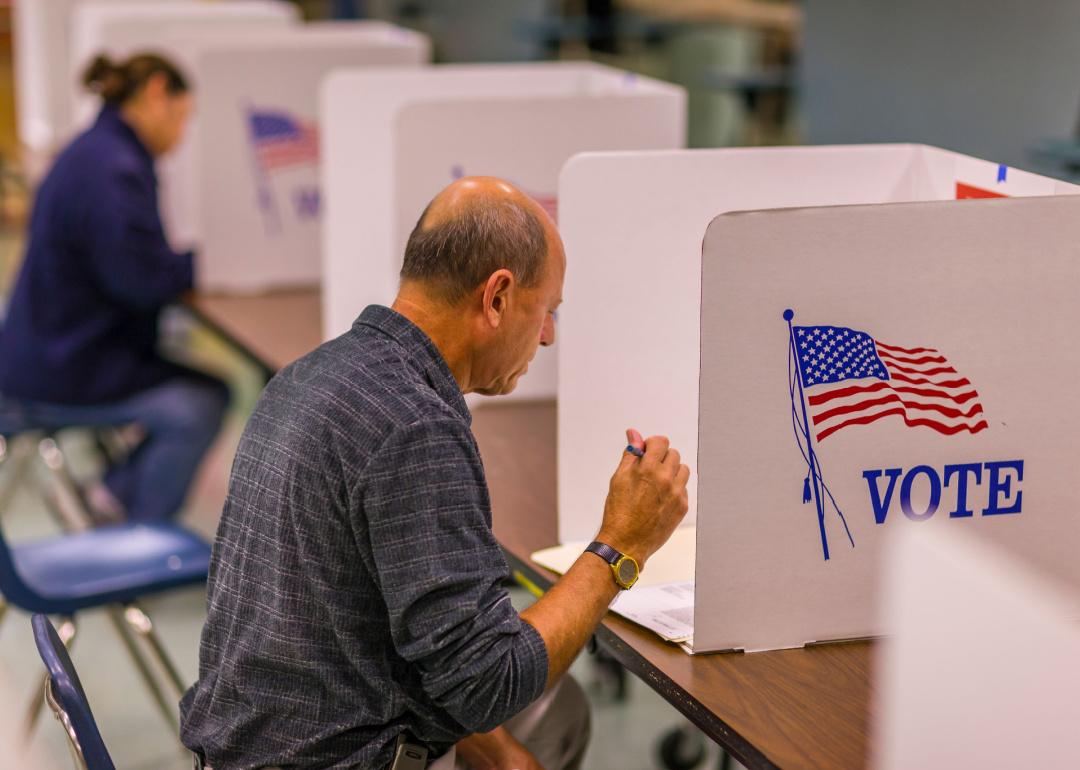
(74, 513)
(117, 615)
(137, 618)
(66, 632)
(77, 756)
(62, 494)
(15, 458)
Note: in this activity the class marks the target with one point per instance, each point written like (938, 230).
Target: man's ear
(497, 296)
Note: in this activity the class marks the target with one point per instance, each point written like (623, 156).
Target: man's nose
(547, 333)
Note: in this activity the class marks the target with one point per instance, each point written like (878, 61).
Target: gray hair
(459, 253)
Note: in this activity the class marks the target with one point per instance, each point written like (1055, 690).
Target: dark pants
(181, 417)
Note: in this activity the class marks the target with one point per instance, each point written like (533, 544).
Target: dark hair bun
(116, 82)
(107, 79)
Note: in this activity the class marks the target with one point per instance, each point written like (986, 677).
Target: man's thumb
(635, 446)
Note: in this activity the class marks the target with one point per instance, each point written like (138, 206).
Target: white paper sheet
(667, 610)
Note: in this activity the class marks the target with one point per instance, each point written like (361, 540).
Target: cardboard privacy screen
(865, 370)
(123, 27)
(629, 330)
(256, 184)
(55, 39)
(977, 634)
(394, 139)
(42, 63)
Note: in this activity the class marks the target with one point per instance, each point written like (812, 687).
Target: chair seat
(108, 565)
(18, 416)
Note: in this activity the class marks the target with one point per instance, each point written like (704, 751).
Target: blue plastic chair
(109, 567)
(65, 696)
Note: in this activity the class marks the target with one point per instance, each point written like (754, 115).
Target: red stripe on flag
(920, 381)
(909, 351)
(927, 372)
(822, 398)
(930, 393)
(832, 395)
(861, 406)
(948, 430)
(924, 360)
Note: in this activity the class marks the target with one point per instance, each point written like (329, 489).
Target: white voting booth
(41, 63)
(121, 27)
(244, 185)
(258, 202)
(691, 353)
(980, 645)
(395, 139)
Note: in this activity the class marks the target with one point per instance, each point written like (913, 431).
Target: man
(356, 589)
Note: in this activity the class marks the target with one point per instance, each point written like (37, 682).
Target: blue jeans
(181, 417)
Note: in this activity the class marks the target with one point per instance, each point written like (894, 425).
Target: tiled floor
(625, 734)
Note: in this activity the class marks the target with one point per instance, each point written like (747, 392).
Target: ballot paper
(663, 598)
(666, 609)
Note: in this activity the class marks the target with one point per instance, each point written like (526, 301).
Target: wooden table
(272, 330)
(805, 708)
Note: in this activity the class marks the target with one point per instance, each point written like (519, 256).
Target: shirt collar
(110, 119)
(421, 350)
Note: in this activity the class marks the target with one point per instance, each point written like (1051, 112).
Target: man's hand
(647, 498)
(497, 750)
(646, 501)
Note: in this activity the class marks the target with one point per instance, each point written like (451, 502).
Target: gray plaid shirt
(355, 588)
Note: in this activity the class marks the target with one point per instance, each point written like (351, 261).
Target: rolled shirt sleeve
(427, 514)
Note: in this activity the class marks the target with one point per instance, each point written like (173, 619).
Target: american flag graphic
(281, 140)
(852, 379)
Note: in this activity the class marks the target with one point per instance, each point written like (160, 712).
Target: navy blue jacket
(81, 325)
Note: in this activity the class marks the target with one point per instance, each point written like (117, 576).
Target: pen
(635, 451)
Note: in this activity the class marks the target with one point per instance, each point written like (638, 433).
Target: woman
(79, 343)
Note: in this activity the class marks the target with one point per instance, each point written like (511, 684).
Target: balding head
(471, 229)
(483, 278)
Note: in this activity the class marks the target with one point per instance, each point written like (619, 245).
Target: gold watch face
(626, 571)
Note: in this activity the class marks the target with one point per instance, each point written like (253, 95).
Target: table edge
(686, 704)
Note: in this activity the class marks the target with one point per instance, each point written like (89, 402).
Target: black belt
(408, 755)
(199, 763)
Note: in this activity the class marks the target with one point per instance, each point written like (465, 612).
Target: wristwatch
(623, 567)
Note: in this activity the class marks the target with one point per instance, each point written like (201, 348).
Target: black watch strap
(604, 551)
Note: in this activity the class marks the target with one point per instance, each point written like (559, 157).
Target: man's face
(528, 322)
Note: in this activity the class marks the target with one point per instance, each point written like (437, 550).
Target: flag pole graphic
(264, 193)
(815, 476)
